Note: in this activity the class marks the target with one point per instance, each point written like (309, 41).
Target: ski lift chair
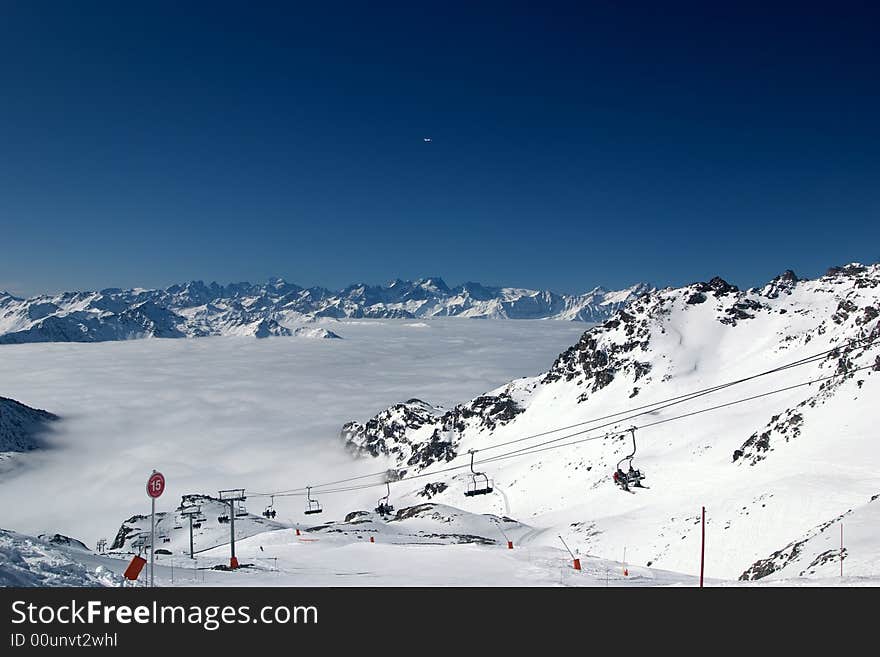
(480, 483)
(312, 506)
(383, 506)
(632, 476)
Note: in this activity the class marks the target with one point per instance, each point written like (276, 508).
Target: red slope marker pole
(703, 549)
(841, 549)
(576, 563)
(506, 538)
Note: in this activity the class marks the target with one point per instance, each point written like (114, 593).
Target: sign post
(155, 487)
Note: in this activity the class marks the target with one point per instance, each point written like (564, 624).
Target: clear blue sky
(573, 145)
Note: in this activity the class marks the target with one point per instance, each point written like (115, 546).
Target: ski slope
(423, 551)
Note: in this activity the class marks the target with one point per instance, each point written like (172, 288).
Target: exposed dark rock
(124, 531)
(491, 409)
(431, 489)
(21, 427)
(848, 270)
(393, 431)
(786, 426)
(716, 286)
(844, 308)
(741, 310)
(413, 511)
(66, 541)
(869, 314)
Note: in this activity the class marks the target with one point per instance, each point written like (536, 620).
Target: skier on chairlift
(632, 476)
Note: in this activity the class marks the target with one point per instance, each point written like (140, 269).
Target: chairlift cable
(555, 444)
(636, 412)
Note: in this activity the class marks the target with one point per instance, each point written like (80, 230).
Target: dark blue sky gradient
(573, 145)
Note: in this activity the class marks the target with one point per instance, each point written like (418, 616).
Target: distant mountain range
(196, 309)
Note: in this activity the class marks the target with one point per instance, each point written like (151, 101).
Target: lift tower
(230, 497)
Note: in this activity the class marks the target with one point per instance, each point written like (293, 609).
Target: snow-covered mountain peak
(433, 284)
(782, 284)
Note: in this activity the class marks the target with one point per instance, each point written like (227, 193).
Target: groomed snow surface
(439, 546)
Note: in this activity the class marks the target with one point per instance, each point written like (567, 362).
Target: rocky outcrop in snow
(419, 435)
(427, 523)
(196, 309)
(819, 553)
(64, 541)
(21, 426)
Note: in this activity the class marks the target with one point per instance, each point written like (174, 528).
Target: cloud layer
(235, 412)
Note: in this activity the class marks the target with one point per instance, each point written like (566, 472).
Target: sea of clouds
(215, 413)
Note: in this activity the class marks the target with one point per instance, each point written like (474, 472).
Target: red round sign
(156, 484)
